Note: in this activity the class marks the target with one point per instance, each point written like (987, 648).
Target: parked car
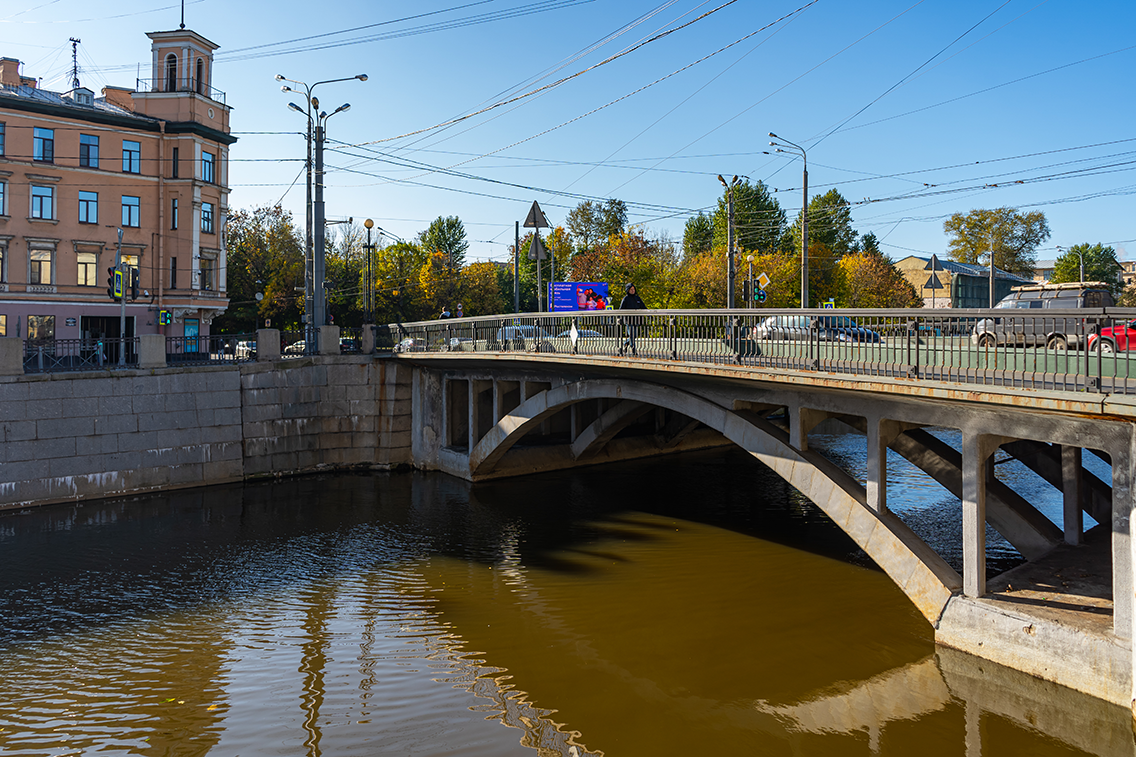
(411, 344)
(827, 328)
(349, 344)
(296, 348)
(580, 334)
(245, 350)
(1034, 328)
(461, 343)
(1118, 338)
(529, 338)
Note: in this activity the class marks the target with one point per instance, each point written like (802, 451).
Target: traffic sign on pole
(763, 280)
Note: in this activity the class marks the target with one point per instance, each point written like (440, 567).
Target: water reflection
(687, 605)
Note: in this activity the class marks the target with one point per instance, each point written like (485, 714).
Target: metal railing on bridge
(1069, 350)
(215, 349)
(62, 355)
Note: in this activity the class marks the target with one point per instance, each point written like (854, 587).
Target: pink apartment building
(75, 168)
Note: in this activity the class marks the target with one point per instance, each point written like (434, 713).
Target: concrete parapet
(367, 341)
(11, 356)
(328, 340)
(151, 351)
(267, 345)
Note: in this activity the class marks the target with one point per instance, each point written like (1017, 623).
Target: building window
(200, 77)
(174, 214)
(174, 172)
(207, 167)
(88, 151)
(41, 327)
(40, 273)
(43, 202)
(3, 325)
(3, 196)
(88, 263)
(129, 263)
(3, 263)
(207, 271)
(131, 211)
(173, 273)
(43, 145)
(88, 207)
(131, 156)
(1, 137)
(207, 217)
(171, 73)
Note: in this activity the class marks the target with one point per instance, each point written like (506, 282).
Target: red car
(1118, 338)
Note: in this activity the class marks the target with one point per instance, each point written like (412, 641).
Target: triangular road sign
(933, 282)
(536, 219)
(536, 249)
(933, 264)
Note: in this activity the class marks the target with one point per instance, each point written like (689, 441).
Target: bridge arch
(926, 579)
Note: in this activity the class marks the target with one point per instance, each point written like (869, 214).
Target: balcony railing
(181, 85)
(1066, 350)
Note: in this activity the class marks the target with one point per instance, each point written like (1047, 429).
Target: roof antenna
(75, 62)
(182, 15)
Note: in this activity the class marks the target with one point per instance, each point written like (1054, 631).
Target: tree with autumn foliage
(871, 281)
(265, 256)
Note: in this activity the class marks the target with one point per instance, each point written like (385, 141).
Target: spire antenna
(182, 15)
(75, 62)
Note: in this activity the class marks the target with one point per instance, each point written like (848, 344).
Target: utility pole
(318, 257)
(991, 268)
(122, 303)
(731, 269)
(517, 267)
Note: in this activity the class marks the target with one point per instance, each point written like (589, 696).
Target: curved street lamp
(792, 148)
(314, 300)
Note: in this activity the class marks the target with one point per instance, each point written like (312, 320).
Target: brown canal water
(689, 605)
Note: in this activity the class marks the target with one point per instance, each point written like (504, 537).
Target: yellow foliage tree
(871, 281)
(480, 289)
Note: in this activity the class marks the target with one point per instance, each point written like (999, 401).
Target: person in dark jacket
(631, 301)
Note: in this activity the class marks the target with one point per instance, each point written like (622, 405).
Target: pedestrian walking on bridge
(631, 301)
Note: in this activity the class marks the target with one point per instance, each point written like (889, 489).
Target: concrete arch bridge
(495, 412)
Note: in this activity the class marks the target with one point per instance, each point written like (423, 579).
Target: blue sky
(913, 110)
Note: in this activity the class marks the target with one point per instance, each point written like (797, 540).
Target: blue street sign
(761, 295)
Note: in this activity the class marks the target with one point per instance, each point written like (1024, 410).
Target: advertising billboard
(569, 296)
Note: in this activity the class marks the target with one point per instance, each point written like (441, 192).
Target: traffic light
(745, 290)
(111, 271)
(133, 283)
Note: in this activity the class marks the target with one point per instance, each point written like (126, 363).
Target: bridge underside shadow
(516, 420)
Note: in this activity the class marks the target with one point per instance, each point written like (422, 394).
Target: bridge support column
(977, 469)
(1071, 488)
(1123, 542)
(881, 433)
(802, 420)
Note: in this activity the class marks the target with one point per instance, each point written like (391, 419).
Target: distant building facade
(75, 168)
(961, 285)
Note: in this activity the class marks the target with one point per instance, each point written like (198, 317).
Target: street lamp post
(311, 286)
(1080, 256)
(804, 212)
(320, 256)
(731, 271)
(368, 269)
(749, 261)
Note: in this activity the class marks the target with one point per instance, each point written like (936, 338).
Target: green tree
(481, 290)
(343, 274)
(398, 296)
(871, 281)
(1015, 237)
(830, 224)
(698, 236)
(592, 223)
(759, 221)
(1100, 265)
(447, 236)
(265, 255)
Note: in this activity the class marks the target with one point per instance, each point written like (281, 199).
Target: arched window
(200, 77)
(171, 73)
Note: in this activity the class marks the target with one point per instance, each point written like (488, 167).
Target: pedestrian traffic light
(114, 283)
(133, 283)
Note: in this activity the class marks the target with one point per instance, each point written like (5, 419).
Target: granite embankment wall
(68, 437)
